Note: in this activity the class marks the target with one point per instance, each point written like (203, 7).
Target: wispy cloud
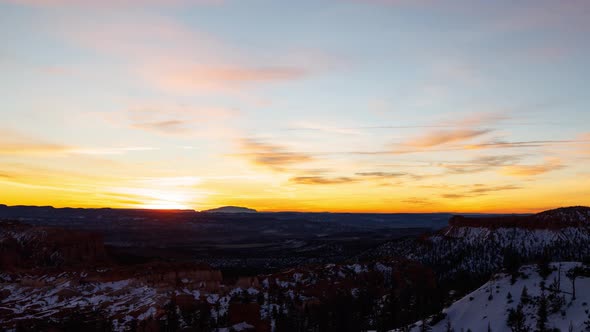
(274, 156)
(378, 177)
(110, 150)
(440, 137)
(480, 164)
(532, 170)
(460, 130)
(499, 144)
(310, 126)
(173, 57)
(321, 180)
(455, 196)
(485, 118)
(16, 142)
(381, 174)
(475, 190)
(585, 138)
(175, 120)
(493, 144)
(199, 78)
(482, 189)
(164, 126)
(417, 201)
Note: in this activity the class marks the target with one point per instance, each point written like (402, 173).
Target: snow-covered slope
(480, 246)
(490, 304)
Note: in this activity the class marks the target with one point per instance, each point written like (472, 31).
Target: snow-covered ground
(121, 301)
(489, 305)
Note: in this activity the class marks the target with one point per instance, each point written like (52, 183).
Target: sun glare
(164, 205)
(161, 199)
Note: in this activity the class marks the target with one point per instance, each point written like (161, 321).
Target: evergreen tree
(172, 323)
(543, 267)
(542, 313)
(573, 274)
(516, 320)
(587, 324)
(512, 261)
(556, 302)
(524, 296)
(448, 326)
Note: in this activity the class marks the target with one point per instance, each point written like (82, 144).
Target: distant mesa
(230, 209)
(573, 216)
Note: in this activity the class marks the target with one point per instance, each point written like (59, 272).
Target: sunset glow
(340, 105)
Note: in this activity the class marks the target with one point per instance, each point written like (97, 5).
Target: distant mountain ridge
(230, 209)
(574, 216)
(44, 210)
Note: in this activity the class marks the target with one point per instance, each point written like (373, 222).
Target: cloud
(18, 143)
(585, 148)
(173, 57)
(110, 151)
(532, 170)
(518, 144)
(482, 118)
(454, 196)
(437, 140)
(417, 201)
(471, 120)
(440, 137)
(480, 164)
(165, 126)
(273, 156)
(482, 189)
(460, 130)
(191, 78)
(321, 180)
(496, 144)
(476, 190)
(381, 174)
(308, 126)
(175, 120)
(378, 177)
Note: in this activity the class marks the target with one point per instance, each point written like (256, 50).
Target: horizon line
(532, 211)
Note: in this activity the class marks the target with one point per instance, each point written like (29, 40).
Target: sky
(335, 105)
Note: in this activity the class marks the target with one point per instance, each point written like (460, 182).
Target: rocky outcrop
(250, 314)
(247, 282)
(24, 246)
(479, 246)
